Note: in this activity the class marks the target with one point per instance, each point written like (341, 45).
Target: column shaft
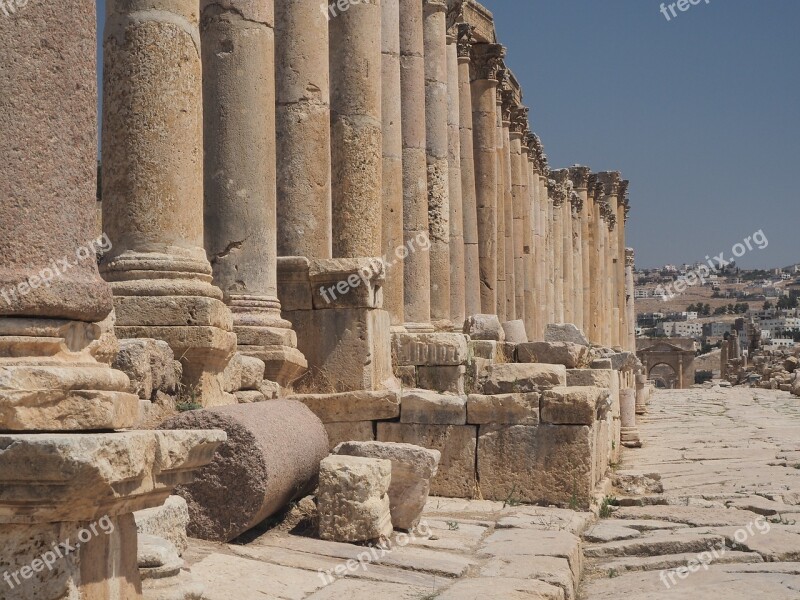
(508, 216)
(500, 225)
(457, 268)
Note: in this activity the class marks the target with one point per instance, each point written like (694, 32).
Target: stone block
(456, 475)
(575, 405)
(511, 378)
(249, 396)
(430, 349)
(294, 283)
(270, 458)
(357, 431)
(570, 355)
(510, 409)
(515, 331)
(484, 327)
(347, 283)
(353, 499)
(168, 521)
(350, 407)
(407, 376)
(602, 378)
(252, 373)
(412, 470)
(430, 408)
(566, 332)
(442, 379)
(150, 365)
(548, 464)
(486, 349)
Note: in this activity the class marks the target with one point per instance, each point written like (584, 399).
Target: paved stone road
(730, 466)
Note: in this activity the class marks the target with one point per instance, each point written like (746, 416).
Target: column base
(67, 525)
(629, 437)
(49, 380)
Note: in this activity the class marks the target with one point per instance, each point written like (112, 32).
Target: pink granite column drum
(302, 128)
(391, 113)
(580, 178)
(417, 264)
(237, 41)
(153, 189)
(472, 279)
(356, 130)
(457, 274)
(486, 61)
(436, 135)
(270, 458)
(519, 191)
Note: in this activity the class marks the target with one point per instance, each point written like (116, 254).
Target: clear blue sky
(701, 113)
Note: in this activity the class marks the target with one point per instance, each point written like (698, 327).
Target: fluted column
(568, 258)
(356, 130)
(500, 230)
(153, 188)
(472, 278)
(486, 61)
(611, 181)
(520, 203)
(540, 226)
(576, 297)
(508, 205)
(595, 195)
(417, 267)
(560, 194)
(620, 208)
(303, 129)
(549, 220)
(391, 113)
(436, 113)
(237, 42)
(457, 268)
(579, 176)
(630, 308)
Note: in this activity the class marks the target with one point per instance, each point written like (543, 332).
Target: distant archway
(673, 354)
(664, 376)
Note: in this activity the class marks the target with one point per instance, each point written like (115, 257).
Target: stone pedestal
(641, 393)
(153, 189)
(240, 229)
(629, 433)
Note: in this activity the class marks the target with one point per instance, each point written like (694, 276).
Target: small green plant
(453, 525)
(573, 501)
(512, 500)
(612, 573)
(187, 406)
(605, 506)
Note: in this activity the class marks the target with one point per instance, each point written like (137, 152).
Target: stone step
(657, 544)
(670, 561)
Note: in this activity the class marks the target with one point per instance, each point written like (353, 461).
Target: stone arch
(678, 354)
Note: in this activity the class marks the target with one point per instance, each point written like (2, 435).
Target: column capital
(487, 60)
(519, 119)
(559, 183)
(622, 195)
(455, 14)
(630, 257)
(610, 181)
(538, 156)
(465, 40)
(579, 176)
(576, 201)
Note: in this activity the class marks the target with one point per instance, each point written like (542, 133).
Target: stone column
(521, 205)
(436, 130)
(303, 127)
(528, 244)
(576, 296)
(560, 193)
(629, 433)
(356, 130)
(595, 195)
(568, 257)
(621, 212)
(486, 61)
(630, 309)
(539, 219)
(508, 205)
(417, 271)
(153, 189)
(549, 220)
(240, 216)
(457, 272)
(580, 178)
(55, 331)
(611, 181)
(472, 279)
(500, 230)
(392, 161)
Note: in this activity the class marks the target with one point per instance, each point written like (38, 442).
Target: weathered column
(528, 249)
(153, 189)
(237, 44)
(580, 178)
(486, 61)
(539, 218)
(567, 254)
(621, 213)
(611, 179)
(630, 309)
(521, 205)
(500, 230)
(457, 273)
(629, 433)
(508, 205)
(417, 271)
(56, 335)
(549, 220)
(560, 193)
(472, 278)
(356, 130)
(436, 131)
(303, 128)
(392, 161)
(595, 195)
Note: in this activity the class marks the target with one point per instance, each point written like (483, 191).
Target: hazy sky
(701, 113)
